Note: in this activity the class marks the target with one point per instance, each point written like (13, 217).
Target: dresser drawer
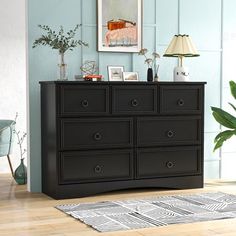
(96, 133)
(95, 166)
(153, 131)
(84, 100)
(181, 99)
(134, 99)
(171, 161)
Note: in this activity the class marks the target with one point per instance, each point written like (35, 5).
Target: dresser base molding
(88, 189)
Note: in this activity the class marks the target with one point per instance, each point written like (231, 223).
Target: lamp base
(181, 74)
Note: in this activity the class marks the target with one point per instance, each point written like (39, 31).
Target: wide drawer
(134, 99)
(84, 100)
(152, 131)
(95, 166)
(171, 161)
(181, 99)
(95, 133)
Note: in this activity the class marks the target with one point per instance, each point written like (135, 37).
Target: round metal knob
(180, 102)
(85, 103)
(97, 136)
(98, 169)
(169, 164)
(134, 103)
(170, 134)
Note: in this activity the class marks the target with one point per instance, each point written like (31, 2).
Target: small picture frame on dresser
(115, 73)
(130, 76)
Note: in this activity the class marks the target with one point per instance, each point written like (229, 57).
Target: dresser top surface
(121, 82)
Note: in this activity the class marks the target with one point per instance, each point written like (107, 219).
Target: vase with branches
(20, 174)
(61, 41)
(152, 64)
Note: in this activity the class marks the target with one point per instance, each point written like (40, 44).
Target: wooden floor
(23, 213)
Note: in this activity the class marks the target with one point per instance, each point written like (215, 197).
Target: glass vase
(20, 174)
(62, 70)
(156, 78)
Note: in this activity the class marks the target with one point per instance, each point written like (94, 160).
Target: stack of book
(93, 77)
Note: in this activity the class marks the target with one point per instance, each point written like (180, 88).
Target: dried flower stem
(20, 140)
(151, 61)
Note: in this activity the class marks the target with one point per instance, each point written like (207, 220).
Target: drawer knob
(97, 136)
(134, 103)
(169, 164)
(85, 103)
(170, 134)
(98, 169)
(180, 102)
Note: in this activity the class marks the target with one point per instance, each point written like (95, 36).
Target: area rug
(155, 211)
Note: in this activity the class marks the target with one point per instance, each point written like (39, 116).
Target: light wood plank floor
(23, 213)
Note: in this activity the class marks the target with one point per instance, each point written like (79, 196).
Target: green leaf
(222, 137)
(232, 106)
(224, 118)
(233, 88)
(225, 135)
(218, 145)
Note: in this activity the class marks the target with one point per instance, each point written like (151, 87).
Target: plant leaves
(60, 40)
(225, 134)
(222, 137)
(233, 88)
(224, 118)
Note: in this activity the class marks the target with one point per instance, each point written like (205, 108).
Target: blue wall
(202, 19)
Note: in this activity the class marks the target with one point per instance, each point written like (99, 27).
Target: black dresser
(104, 136)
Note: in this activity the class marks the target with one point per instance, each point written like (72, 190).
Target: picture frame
(119, 27)
(115, 73)
(130, 76)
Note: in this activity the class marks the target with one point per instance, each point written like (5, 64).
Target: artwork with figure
(119, 25)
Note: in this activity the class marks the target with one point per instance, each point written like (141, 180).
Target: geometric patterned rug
(152, 212)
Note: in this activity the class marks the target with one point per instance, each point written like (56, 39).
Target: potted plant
(225, 119)
(61, 41)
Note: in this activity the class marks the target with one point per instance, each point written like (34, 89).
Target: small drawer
(152, 131)
(84, 100)
(181, 99)
(171, 161)
(96, 133)
(95, 166)
(134, 99)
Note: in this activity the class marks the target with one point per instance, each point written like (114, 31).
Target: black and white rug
(156, 211)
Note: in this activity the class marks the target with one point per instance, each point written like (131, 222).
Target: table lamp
(181, 46)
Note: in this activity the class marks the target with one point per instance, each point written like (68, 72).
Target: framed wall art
(119, 25)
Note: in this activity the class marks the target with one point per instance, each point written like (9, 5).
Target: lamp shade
(181, 46)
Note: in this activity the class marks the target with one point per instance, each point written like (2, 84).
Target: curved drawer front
(173, 161)
(96, 133)
(134, 99)
(181, 99)
(84, 100)
(95, 166)
(168, 131)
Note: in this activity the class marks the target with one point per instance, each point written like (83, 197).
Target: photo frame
(119, 25)
(115, 73)
(130, 76)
